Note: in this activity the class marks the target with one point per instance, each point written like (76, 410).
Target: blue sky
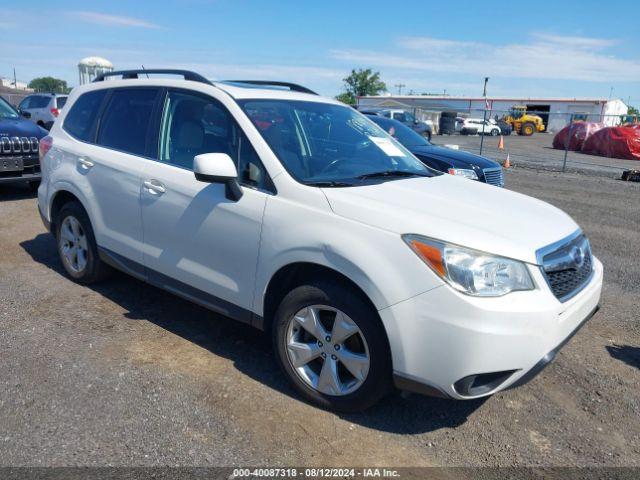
(554, 49)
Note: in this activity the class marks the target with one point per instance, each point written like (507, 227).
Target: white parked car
(296, 214)
(42, 108)
(480, 126)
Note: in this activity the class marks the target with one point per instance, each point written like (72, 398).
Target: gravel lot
(125, 374)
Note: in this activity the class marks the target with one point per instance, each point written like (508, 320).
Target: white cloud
(112, 20)
(546, 57)
(576, 42)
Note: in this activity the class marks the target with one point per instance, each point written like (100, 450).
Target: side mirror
(25, 114)
(218, 168)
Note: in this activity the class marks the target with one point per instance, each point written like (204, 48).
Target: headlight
(470, 271)
(463, 172)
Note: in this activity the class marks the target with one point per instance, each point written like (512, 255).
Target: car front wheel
(332, 347)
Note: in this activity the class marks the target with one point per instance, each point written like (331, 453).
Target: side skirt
(180, 289)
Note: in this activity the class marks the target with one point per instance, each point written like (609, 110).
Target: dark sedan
(19, 145)
(454, 162)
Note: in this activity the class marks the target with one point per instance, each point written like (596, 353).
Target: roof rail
(294, 87)
(132, 74)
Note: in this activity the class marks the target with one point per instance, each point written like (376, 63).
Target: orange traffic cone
(501, 143)
(507, 162)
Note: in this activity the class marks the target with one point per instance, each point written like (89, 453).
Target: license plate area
(11, 165)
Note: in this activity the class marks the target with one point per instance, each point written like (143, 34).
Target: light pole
(484, 116)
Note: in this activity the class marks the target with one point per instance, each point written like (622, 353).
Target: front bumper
(442, 337)
(24, 178)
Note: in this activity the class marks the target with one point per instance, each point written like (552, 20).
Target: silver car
(42, 108)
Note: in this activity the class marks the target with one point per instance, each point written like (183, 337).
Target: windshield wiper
(391, 173)
(329, 184)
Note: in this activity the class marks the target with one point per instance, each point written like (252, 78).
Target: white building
(90, 67)
(555, 112)
(8, 82)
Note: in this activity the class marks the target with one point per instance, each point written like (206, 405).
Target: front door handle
(85, 163)
(154, 187)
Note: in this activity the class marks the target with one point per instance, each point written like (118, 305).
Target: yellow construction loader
(524, 123)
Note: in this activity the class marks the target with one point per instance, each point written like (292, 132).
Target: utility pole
(15, 82)
(484, 116)
(610, 93)
(399, 86)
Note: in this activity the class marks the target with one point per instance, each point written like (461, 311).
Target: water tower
(90, 67)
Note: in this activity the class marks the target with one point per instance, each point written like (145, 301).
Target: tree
(360, 83)
(633, 111)
(346, 97)
(49, 84)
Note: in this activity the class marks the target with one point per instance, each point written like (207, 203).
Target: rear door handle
(154, 187)
(85, 163)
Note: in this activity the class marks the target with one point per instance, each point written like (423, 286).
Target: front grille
(568, 267)
(18, 145)
(494, 176)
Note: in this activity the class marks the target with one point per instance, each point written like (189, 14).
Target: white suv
(480, 126)
(42, 108)
(296, 214)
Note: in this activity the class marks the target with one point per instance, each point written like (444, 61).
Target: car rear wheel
(332, 347)
(494, 132)
(77, 246)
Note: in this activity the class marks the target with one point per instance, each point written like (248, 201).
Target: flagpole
(484, 116)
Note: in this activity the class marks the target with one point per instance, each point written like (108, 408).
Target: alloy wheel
(73, 244)
(327, 350)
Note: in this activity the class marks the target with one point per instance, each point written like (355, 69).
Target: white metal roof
(490, 98)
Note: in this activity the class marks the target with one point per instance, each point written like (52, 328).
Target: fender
(65, 186)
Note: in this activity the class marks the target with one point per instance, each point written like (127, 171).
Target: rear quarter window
(80, 120)
(60, 102)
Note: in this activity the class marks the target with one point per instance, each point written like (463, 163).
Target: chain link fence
(562, 141)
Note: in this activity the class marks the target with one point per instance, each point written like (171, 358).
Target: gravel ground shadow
(625, 353)
(250, 350)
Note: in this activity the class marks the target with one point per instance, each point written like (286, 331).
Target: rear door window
(39, 101)
(80, 121)
(25, 103)
(125, 122)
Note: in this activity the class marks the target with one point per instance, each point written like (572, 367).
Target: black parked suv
(19, 146)
(454, 162)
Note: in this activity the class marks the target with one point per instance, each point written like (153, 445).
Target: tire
(495, 132)
(427, 134)
(527, 129)
(329, 298)
(73, 228)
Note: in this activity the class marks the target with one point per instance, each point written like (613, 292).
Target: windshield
(325, 143)
(6, 110)
(405, 135)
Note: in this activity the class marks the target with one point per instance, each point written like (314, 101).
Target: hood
(471, 214)
(19, 127)
(457, 158)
